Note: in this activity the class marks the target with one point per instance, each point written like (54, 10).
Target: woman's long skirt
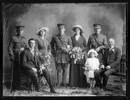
(77, 77)
(52, 72)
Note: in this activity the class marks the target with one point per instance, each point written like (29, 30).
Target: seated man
(111, 59)
(31, 66)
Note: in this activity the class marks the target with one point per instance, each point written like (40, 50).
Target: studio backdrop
(33, 16)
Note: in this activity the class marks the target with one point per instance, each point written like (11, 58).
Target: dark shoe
(13, 90)
(62, 85)
(52, 91)
(37, 90)
(101, 86)
(104, 88)
(65, 85)
(97, 88)
(96, 85)
(101, 90)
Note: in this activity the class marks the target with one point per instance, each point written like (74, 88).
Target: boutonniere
(113, 49)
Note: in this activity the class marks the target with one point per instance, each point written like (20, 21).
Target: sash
(97, 42)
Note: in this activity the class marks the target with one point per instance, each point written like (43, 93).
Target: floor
(115, 88)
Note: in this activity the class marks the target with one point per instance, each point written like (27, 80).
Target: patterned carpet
(115, 88)
(114, 91)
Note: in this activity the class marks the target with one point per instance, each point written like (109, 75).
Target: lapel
(59, 36)
(32, 57)
(113, 50)
(95, 39)
(35, 57)
(110, 54)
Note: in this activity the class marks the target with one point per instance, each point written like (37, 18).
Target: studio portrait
(64, 49)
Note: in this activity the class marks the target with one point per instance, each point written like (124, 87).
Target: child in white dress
(91, 64)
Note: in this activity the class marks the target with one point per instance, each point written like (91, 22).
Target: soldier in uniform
(98, 42)
(16, 45)
(59, 45)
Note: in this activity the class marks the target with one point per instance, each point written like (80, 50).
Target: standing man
(97, 41)
(16, 45)
(60, 44)
(112, 58)
(32, 66)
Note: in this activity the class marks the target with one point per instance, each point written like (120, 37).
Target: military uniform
(95, 41)
(14, 49)
(58, 45)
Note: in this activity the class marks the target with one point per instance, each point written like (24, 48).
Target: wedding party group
(90, 62)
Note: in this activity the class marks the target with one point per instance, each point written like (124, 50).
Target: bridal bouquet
(45, 58)
(76, 54)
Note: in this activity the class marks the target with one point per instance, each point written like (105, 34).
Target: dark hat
(97, 25)
(19, 27)
(58, 25)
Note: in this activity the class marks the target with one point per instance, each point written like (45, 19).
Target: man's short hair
(31, 39)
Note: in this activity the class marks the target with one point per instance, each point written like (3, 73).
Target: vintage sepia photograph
(64, 49)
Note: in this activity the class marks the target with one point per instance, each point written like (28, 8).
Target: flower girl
(91, 64)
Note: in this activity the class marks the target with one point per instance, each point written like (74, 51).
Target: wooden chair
(123, 68)
(26, 83)
(122, 74)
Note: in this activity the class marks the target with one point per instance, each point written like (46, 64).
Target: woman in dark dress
(77, 78)
(45, 51)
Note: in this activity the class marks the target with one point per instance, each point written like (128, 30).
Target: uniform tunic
(96, 41)
(59, 46)
(16, 43)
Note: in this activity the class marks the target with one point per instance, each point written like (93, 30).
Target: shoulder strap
(97, 42)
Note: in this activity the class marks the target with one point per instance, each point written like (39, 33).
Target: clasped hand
(107, 67)
(100, 47)
(21, 49)
(102, 66)
(34, 69)
(42, 67)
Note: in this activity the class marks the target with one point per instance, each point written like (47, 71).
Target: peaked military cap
(19, 27)
(58, 25)
(97, 25)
